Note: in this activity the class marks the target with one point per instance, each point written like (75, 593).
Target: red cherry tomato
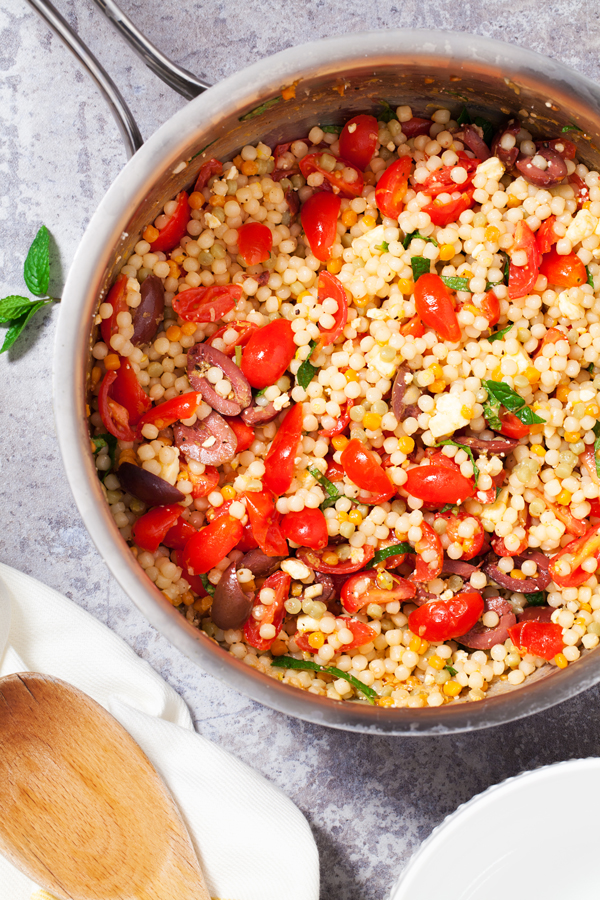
(499, 547)
(574, 526)
(319, 216)
(244, 434)
(552, 336)
(176, 227)
(545, 236)
(313, 163)
(307, 528)
(577, 551)
(314, 559)
(512, 426)
(268, 353)
(127, 391)
(265, 522)
(194, 581)
(150, 529)
(274, 612)
(413, 327)
(392, 186)
(115, 417)
(441, 181)
(179, 534)
(245, 330)
(490, 307)
(212, 544)
(117, 297)
(358, 140)
(582, 191)
(416, 126)
(362, 635)
(471, 546)
(442, 214)
(207, 304)
(566, 149)
(203, 484)
(280, 458)
(207, 170)
(430, 543)
(438, 484)
(443, 620)
(362, 589)
(331, 288)
(543, 639)
(364, 468)
(522, 279)
(335, 471)
(255, 242)
(563, 271)
(340, 426)
(165, 414)
(435, 306)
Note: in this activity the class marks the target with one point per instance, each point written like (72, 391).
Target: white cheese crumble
(491, 168)
(448, 415)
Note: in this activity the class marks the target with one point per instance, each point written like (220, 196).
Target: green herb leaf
(208, 587)
(487, 128)
(99, 443)
(17, 325)
(572, 127)
(512, 401)
(307, 371)
(506, 267)
(491, 413)
(469, 453)
(288, 662)
(36, 270)
(450, 507)
(417, 234)
(258, 110)
(383, 246)
(387, 113)
(260, 393)
(590, 277)
(12, 307)
(528, 417)
(456, 284)
(596, 430)
(238, 355)
(590, 368)
(333, 495)
(463, 117)
(498, 335)
(105, 440)
(206, 146)
(536, 598)
(331, 129)
(452, 670)
(393, 550)
(420, 266)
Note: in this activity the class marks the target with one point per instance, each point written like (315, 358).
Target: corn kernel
(237, 161)
(436, 371)
(249, 167)
(406, 285)
(516, 573)
(466, 274)
(96, 376)
(189, 328)
(466, 412)
(571, 437)
(586, 205)
(339, 441)
(531, 374)
(564, 498)
(413, 682)
(497, 374)
(470, 307)
(385, 702)
(437, 387)
(436, 662)
(563, 392)
(173, 332)
(492, 234)
(228, 491)
(175, 272)
(355, 517)
(150, 234)
(424, 647)
(581, 622)
(316, 640)
(592, 409)
(368, 221)
(372, 421)
(561, 661)
(586, 607)
(415, 644)
(447, 252)
(351, 375)
(342, 516)
(512, 202)
(452, 689)
(406, 445)
(302, 295)
(362, 301)
(112, 362)
(334, 266)
(196, 200)
(330, 558)
(349, 218)
(538, 449)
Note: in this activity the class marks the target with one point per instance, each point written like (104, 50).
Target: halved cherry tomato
(117, 297)
(430, 543)
(312, 163)
(563, 271)
(363, 467)
(543, 639)
(437, 484)
(245, 331)
(127, 391)
(490, 307)
(362, 589)
(335, 471)
(552, 336)
(207, 170)
(274, 613)
(211, 544)
(176, 227)
(207, 304)
(165, 414)
(512, 426)
(280, 458)
(471, 546)
(566, 149)
(265, 522)
(442, 214)
(392, 186)
(441, 181)
(203, 484)
(363, 634)
(499, 547)
(582, 191)
(594, 508)
(150, 529)
(331, 288)
(314, 559)
(443, 620)
(582, 548)
(268, 353)
(244, 434)
(340, 426)
(545, 236)
(358, 140)
(319, 216)
(413, 327)
(435, 306)
(522, 279)
(194, 581)
(178, 535)
(255, 242)
(115, 417)
(588, 460)
(416, 126)
(307, 528)
(563, 514)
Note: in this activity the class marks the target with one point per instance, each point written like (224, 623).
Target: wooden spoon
(83, 812)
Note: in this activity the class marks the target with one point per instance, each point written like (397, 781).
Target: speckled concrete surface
(370, 801)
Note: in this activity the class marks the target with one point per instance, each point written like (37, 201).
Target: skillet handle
(130, 133)
(176, 77)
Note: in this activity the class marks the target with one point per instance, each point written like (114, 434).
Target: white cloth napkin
(252, 841)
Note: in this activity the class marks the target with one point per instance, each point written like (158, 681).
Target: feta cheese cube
(448, 416)
(491, 168)
(582, 226)
(569, 303)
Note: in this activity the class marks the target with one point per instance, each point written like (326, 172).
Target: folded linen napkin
(252, 841)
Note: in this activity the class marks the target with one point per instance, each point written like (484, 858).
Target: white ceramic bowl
(532, 836)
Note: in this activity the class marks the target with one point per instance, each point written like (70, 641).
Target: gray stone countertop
(369, 800)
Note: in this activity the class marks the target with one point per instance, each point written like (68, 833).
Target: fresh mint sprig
(16, 311)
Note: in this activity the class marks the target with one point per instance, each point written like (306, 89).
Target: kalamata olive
(150, 313)
(259, 563)
(458, 567)
(499, 446)
(401, 384)
(147, 487)
(554, 172)
(508, 157)
(472, 137)
(256, 415)
(210, 441)
(536, 614)
(482, 638)
(203, 357)
(326, 581)
(525, 586)
(231, 606)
